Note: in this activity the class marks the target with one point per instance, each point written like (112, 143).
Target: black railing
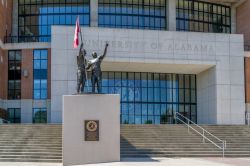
(25, 39)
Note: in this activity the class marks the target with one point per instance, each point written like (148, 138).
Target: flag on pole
(77, 30)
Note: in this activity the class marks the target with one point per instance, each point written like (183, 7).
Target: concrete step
(181, 155)
(32, 153)
(4, 151)
(176, 141)
(31, 143)
(43, 143)
(30, 160)
(33, 156)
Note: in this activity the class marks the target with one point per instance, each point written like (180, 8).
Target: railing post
(188, 125)
(248, 118)
(223, 148)
(203, 135)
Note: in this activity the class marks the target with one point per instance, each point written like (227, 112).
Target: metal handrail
(248, 118)
(203, 134)
(2, 121)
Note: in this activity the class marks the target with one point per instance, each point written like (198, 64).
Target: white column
(94, 13)
(26, 111)
(171, 15)
(207, 111)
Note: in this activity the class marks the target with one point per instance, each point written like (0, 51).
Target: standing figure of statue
(81, 70)
(96, 74)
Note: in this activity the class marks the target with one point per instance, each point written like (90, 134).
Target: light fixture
(25, 72)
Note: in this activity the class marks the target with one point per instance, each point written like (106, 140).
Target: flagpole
(86, 74)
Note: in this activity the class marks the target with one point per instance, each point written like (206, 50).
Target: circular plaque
(91, 126)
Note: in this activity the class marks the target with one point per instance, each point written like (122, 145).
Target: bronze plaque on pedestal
(91, 130)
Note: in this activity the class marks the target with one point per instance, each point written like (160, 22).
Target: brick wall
(243, 20)
(3, 74)
(1, 71)
(5, 23)
(27, 82)
(5, 17)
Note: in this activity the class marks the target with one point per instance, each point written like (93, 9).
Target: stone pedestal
(102, 107)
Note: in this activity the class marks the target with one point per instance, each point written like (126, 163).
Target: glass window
(132, 14)
(39, 115)
(147, 98)
(14, 74)
(40, 65)
(14, 115)
(35, 19)
(201, 16)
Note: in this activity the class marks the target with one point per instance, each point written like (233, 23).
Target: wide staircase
(176, 141)
(43, 143)
(237, 137)
(31, 143)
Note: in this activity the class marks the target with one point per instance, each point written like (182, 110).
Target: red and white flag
(77, 30)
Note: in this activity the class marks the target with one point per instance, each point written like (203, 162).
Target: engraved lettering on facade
(138, 46)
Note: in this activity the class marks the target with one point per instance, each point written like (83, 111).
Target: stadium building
(164, 56)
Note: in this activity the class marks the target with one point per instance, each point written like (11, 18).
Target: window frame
(140, 11)
(40, 119)
(17, 75)
(25, 12)
(200, 17)
(42, 78)
(14, 119)
(125, 84)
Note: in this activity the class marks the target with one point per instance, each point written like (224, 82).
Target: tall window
(138, 14)
(39, 115)
(14, 75)
(152, 98)
(36, 17)
(40, 67)
(201, 16)
(14, 115)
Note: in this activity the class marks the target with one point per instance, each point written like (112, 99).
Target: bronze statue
(96, 75)
(81, 71)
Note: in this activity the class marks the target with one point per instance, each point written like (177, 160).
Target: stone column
(94, 13)
(26, 111)
(171, 15)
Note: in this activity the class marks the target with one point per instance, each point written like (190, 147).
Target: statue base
(83, 142)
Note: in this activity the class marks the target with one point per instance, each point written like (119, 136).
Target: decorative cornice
(237, 4)
(31, 45)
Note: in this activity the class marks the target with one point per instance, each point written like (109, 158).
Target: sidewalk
(155, 162)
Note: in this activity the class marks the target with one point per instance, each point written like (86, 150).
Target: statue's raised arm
(105, 52)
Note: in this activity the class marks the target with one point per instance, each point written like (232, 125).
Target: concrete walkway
(155, 162)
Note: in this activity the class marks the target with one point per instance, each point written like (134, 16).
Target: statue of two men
(84, 65)
(81, 70)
